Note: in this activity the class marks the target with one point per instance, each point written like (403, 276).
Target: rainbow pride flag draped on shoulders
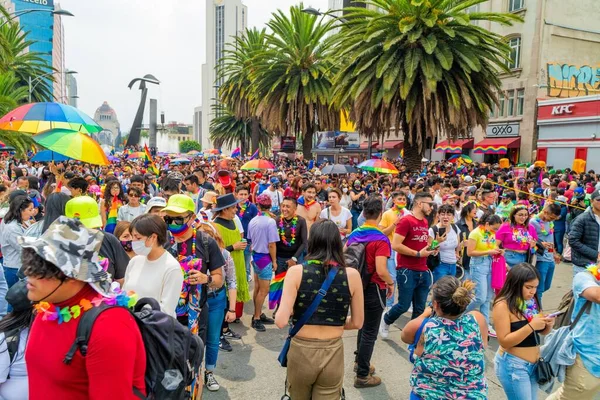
(276, 290)
(366, 234)
(111, 220)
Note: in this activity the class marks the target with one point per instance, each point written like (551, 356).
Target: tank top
(530, 341)
(333, 309)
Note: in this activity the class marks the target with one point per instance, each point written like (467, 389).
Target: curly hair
(36, 266)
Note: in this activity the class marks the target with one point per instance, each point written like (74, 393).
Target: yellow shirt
(484, 241)
(388, 218)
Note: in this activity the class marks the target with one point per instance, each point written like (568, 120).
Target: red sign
(567, 109)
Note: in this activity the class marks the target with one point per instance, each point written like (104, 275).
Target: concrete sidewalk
(251, 371)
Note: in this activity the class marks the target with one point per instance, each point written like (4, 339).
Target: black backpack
(173, 353)
(355, 256)
(434, 261)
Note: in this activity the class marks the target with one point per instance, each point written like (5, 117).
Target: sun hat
(226, 201)
(155, 202)
(264, 201)
(85, 209)
(209, 197)
(180, 204)
(73, 249)
(546, 181)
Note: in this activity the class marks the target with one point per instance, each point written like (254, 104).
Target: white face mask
(345, 190)
(139, 247)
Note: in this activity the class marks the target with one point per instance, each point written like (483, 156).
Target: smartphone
(555, 314)
(442, 232)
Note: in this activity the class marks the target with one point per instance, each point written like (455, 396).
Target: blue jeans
(3, 291)
(517, 376)
(481, 275)
(217, 302)
(559, 236)
(355, 215)
(10, 274)
(577, 270)
(413, 287)
(247, 259)
(546, 271)
(514, 258)
(391, 266)
(442, 270)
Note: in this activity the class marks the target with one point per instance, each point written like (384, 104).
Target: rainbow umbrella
(257, 164)
(458, 158)
(212, 151)
(75, 145)
(40, 117)
(381, 166)
(136, 154)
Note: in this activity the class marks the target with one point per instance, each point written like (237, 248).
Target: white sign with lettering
(502, 130)
(564, 109)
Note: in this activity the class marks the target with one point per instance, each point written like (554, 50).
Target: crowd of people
(467, 251)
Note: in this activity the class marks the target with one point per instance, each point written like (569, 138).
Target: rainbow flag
(236, 153)
(111, 221)
(366, 234)
(276, 290)
(149, 163)
(255, 155)
(261, 260)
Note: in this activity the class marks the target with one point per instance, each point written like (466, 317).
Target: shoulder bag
(306, 316)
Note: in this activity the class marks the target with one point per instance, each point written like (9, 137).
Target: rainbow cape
(275, 290)
(261, 260)
(111, 220)
(366, 234)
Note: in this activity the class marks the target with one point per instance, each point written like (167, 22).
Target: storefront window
(501, 101)
(520, 101)
(515, 53)
(511, 103)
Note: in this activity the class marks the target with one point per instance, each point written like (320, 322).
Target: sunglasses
(175, 220)
(133, 195)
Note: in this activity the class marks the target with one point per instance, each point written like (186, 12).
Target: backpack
(173, 353)
(355, 256)
(434, 260)
(567, 303)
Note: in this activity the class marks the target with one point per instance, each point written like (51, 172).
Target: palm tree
(227, 129)
(234, 71)
(292, 77)
(11, 96)
(420, 67)
(15, 57)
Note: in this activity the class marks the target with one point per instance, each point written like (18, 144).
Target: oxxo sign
(563, 109)
(502, 130)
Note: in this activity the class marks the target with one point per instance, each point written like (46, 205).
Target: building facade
(72, 90)
(48, 33)
(197, 130)
(555, 54)
(225, 19)
(106, 117)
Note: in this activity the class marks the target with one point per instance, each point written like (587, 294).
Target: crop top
(333, 309)
(530, 341)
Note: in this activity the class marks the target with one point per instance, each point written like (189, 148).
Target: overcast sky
(110, 42)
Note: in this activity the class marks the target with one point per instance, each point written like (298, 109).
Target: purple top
(262, 230)
(515, 238)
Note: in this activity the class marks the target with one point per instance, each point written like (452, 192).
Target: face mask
(178, 230)
(139, 247)
(345, 190)
(126, 245)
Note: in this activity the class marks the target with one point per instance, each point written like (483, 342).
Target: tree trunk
(255, 134)
(307, 144)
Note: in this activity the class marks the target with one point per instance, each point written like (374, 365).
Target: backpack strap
(12, 338)
(84, 331)
(583, 309)
(313, 306)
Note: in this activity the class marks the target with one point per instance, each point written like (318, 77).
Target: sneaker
(266, 320)
(410, 309)
(258, 325)
(384, 329)
(225, 345)
(491, 332)
(371, 368)
(229, 334)
(366, 382)
(211, 382)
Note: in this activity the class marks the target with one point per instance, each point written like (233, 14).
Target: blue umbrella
(49, 155)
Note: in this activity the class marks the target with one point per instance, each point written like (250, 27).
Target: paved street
(251, 371)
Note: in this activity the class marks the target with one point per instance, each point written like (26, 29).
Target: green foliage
(189, 145)
(226, 129)
(420, 67)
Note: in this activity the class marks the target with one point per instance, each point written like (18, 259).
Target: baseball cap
(180, 204)
(546, 181)
(595, 194)
(156, 202)
(85, 209)
(274, 180)
(468, 179)
(318, 172)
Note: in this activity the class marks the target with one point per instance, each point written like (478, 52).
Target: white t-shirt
(160, 279)
(16, 387)
(128, 213)
(448, 246)
(340, 220)
(276, 199)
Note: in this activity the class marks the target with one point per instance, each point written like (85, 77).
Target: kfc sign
(563, 109)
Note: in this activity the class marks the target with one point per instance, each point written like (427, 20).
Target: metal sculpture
(134, 133)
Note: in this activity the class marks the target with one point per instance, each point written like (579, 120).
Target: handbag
(306, 316)
(498, 272)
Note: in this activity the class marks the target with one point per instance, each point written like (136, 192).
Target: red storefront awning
(392, 144)
(365, 145)
(497, 145)
(455, 146)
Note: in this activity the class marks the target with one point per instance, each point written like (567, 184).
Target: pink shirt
(515, 237)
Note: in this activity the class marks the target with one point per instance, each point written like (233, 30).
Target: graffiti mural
(565, 80)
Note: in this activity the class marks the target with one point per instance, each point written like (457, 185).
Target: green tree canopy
(189, 145)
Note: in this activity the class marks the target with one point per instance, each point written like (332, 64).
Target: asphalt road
(251, 371)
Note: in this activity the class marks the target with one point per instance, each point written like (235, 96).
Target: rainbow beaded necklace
(282, 226)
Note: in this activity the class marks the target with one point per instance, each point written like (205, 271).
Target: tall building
(197, 132)
(48, 33)
(225, 19)
(106, 117)
(72, 90)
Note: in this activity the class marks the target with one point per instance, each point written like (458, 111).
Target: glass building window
(520, 101)
(501, 103)
(515, 5)
(515, 53)
(511, 103)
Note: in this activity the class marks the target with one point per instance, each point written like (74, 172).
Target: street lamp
(17, 14)
(33, 83)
